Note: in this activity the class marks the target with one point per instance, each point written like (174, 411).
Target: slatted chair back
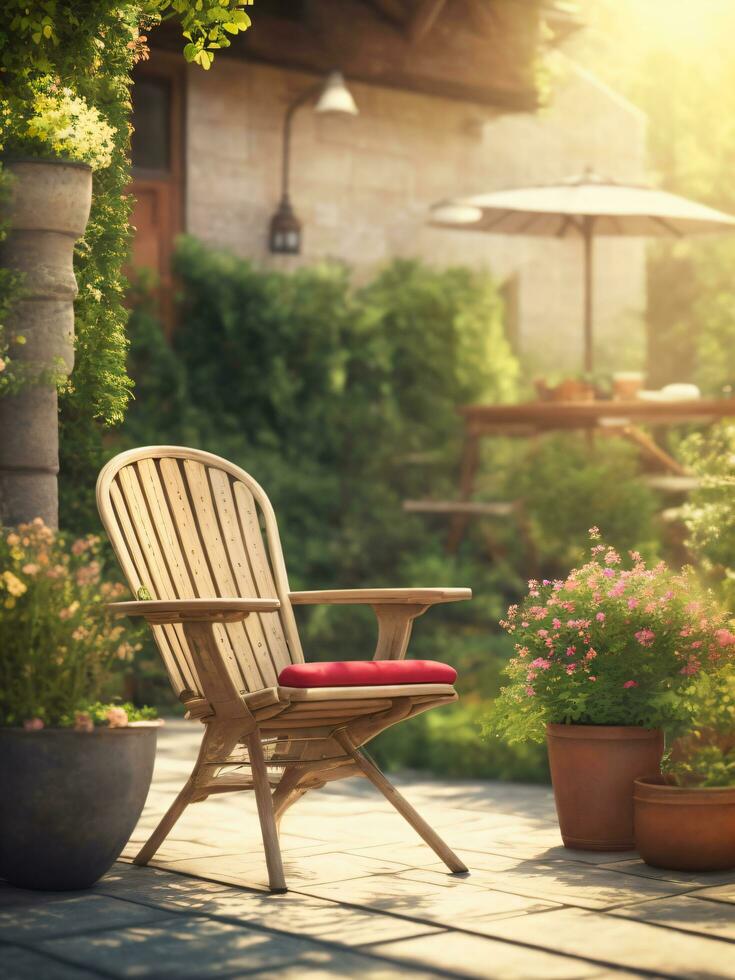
(186, 524)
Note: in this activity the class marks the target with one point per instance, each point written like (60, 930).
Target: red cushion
(362, 673)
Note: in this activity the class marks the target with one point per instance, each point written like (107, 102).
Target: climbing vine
(89, 47)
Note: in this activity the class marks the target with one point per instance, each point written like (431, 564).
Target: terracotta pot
(572, 390)
(684, 828)
(543, 392)
(592, 770)
(626, 385)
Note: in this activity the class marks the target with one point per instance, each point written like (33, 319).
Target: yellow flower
(62, 121)
(13, 584)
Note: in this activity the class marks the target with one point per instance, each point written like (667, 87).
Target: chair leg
(286, 803)
(287, 793)
(216, 738)
(391, 794)
(266, 815)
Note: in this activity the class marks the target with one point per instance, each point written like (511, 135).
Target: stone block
(687, 913)
(68, 915)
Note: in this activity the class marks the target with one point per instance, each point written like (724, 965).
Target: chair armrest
(395, 609)
(162, 611)
(382, 597)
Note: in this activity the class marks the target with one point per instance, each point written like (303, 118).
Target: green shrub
(710, 511)
(342, 402)
(704, 754)
(331, 396)
(325, 393)
(448, 742)
(568, 486)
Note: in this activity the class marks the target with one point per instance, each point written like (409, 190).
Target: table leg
(649, 447)
(467, 473)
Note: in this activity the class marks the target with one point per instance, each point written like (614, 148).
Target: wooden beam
(422, 828)
(672, 483)
(423, 19)
(500, 508)
(453, 60)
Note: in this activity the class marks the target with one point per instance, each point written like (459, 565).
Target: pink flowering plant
(615, 643)
(59, 643)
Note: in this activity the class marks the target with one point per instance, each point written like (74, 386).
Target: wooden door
(158, 174)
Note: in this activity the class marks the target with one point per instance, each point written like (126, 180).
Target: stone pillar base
(47, 212)
(29, 456)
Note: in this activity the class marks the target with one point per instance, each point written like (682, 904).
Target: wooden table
(623, 418)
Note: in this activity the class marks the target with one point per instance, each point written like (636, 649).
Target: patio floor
(369, 899)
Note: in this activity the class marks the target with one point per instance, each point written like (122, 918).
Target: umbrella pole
(588, 231)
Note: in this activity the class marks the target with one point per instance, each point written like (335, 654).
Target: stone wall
(362, 188)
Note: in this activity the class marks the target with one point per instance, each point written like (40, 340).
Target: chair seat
(367, 673)
(370, 692)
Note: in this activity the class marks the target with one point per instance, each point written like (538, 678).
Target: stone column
(47, 212)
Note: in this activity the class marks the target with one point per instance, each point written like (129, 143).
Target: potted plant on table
(603, 661)
(581, 387)
(685, 818)
(74, 770)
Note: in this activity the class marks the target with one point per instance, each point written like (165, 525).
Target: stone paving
(368, 899)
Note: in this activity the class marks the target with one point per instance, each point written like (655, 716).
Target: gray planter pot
(70, 801)
(47, 213)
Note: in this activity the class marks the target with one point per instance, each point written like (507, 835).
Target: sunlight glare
(681, 24)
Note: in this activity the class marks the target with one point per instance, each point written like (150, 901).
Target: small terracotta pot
(543, 391)
(684, 828)
(626, 385)
(572, 390)
(592, 770)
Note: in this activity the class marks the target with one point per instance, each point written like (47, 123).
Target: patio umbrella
(585, 205)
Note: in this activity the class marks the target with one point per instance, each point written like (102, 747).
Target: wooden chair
(198, 542)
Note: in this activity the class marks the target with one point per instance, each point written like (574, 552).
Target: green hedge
(342, 402)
